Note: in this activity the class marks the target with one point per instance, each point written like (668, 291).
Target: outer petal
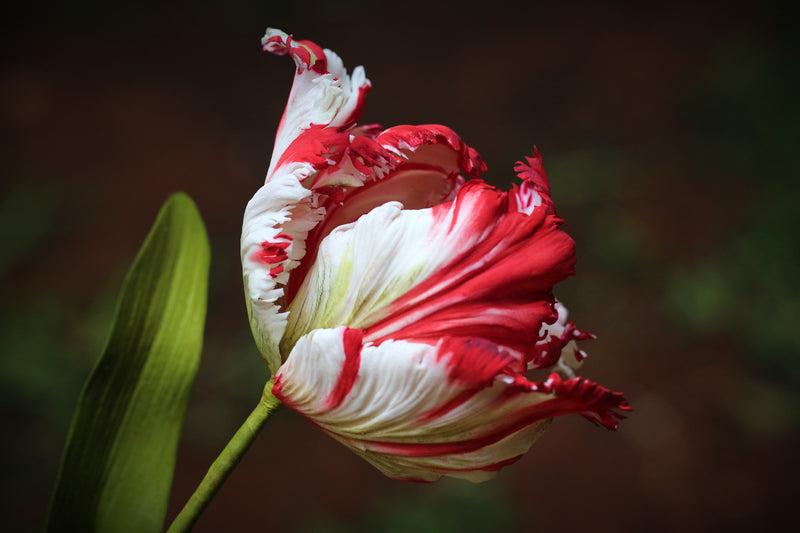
(419, 411)
(473, 266)
(423, 170)
(322, 93)
(558, 345)
(361, 268)
(276, 221)
(325, 172)
(419, 166)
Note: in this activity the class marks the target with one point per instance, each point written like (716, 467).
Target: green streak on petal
(369, 312)
(341, 296)
(338, 307)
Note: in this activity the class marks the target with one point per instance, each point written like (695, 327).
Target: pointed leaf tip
(120, 454)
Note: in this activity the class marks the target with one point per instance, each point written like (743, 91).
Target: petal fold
(419, 411)
(322, 93)
(276, 222)
(326, 172)
(399, 301)
(472, 266)
(418, 166)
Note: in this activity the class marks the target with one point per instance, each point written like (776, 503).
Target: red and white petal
(500, 259)
(468, 267)
(360, 268)
(322, 93)
(276, 222)
(475, 466)
(558, 346)
(419, 411)
(419, 166)
(535, 188)
(432, 146)
(348, 170)
(430, 149)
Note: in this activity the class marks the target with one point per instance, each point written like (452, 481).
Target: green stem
(226, 462)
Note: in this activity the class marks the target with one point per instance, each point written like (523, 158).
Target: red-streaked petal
(429, 143)
(318, 146)
(360, 268)
(535, 187)
(581, 396)
(351, 343)
(347, 171)
(498, 279)
(410, 304)
(276, 222)
(306, 54)
(558, 345)
(323, 93)
(418, 411)
(419, 166)
(344, 159)
(466, 266)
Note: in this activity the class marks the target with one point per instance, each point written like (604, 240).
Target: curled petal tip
(306, 54)
(400, 304)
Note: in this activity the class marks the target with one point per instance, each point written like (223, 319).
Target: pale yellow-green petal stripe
(363, 267)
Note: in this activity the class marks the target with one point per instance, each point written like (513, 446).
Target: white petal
(392, 413)
(279, 211)
(362, 267)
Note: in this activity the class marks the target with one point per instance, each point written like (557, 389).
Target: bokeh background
(669, 134)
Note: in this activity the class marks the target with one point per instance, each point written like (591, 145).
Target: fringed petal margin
(535, 188)
(418, 411)
(276, 222)
(434, 145)
(326, 173)
(360, 269)
(470, 266)
(558, 345)
(418, 166)
(322, 93)
(496, 281)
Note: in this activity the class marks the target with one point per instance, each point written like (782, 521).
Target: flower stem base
(224, 464)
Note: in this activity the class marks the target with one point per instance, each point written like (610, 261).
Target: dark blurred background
(669, 134)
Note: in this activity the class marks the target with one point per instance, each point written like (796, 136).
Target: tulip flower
(401, 303)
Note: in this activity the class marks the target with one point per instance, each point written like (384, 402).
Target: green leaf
(120, 454)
